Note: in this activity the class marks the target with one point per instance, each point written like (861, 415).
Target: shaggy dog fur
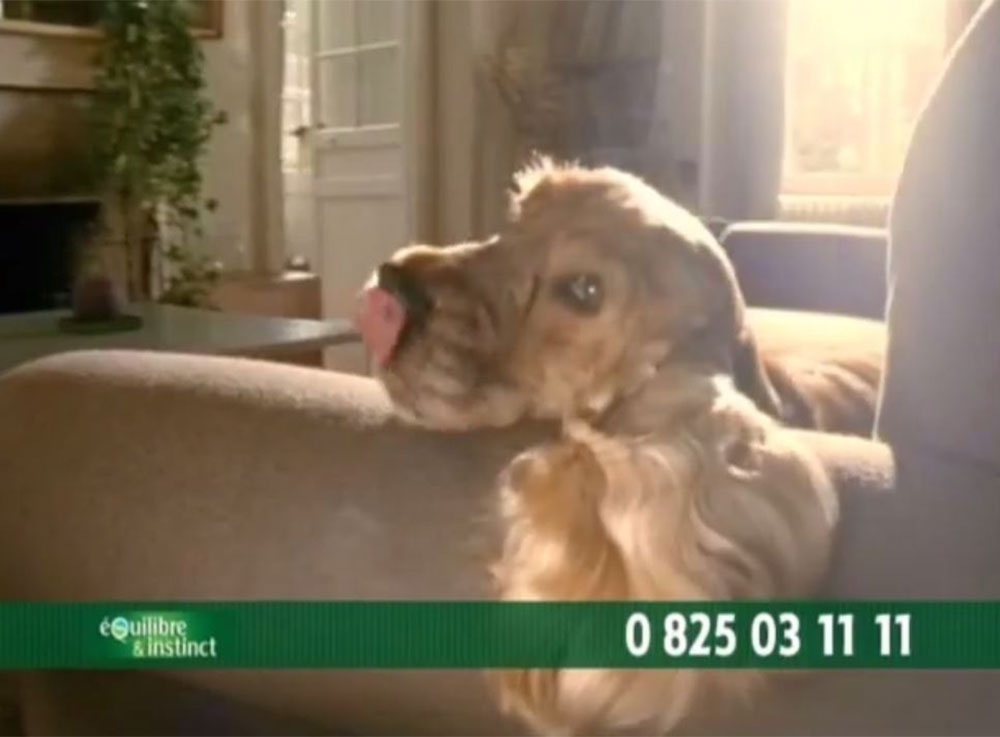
(607, 306)
(506, 340)
(709, 501)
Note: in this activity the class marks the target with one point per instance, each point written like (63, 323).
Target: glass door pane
(338, 78)
(337, 23)
(379, 87)
(378, 21)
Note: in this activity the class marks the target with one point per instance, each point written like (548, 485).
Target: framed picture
(80, 18)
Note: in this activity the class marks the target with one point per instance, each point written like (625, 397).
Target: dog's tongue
(380, 319)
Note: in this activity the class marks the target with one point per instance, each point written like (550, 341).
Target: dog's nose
(394, 302)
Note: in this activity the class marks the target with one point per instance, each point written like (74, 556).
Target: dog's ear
(704, 309)
(748, 369)
(750, 375)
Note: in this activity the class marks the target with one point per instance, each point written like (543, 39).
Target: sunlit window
(295, 115)
(858, 72)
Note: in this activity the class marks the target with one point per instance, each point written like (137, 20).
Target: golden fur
(715, 503)
(669, 480)
(498, 346)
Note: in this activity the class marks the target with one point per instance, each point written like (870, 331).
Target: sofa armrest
(809, 266)
(913, 526)
(153, 476)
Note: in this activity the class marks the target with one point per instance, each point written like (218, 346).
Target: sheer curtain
(743, 108)
(572, 79)
(598, 82)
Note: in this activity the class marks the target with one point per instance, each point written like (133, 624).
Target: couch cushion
(813, 334)
(943, 361)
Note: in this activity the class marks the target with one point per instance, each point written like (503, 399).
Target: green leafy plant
(152, 121)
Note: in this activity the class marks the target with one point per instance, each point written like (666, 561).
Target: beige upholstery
(148, 475)
(944, 353)
(136, 475)
(789, 331)
(163, 477)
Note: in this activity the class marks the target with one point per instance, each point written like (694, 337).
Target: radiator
(872, 211)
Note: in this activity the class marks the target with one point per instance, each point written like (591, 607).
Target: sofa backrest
(805, 266)
(942, 383)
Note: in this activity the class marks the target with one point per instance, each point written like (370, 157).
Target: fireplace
(46, 194)
(39, 240)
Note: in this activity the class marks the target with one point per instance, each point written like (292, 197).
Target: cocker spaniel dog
(606, 306)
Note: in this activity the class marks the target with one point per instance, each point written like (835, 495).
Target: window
(353, 48)
(857, 74)
(358, 64)
(295, 92)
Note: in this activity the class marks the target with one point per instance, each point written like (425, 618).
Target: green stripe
(375, 634)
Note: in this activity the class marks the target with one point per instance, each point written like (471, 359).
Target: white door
(362, 215)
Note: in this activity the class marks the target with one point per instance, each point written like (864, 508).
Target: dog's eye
(583, 293)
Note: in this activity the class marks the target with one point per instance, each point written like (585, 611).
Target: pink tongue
(380, 319)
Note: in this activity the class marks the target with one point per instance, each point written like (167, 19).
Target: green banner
(473, 634)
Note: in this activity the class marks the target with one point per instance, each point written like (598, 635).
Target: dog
(585, 247)
(717, 502)
(608, 307)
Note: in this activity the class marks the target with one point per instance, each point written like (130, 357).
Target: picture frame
(78, 18)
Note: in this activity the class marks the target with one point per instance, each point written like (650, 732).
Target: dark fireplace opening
(38, 251)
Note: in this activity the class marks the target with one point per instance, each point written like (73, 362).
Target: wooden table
(27, 336)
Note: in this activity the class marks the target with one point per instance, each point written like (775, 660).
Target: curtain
(576, 80)
(266, 38)
(594, 80)
(743, 126)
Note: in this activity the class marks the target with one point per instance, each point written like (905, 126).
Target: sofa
(154, 476)
(814, 267)
(130, 475)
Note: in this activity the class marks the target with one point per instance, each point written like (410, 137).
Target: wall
(57, 63)
(229, 164)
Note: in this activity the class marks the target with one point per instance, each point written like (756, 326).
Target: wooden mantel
(47, 61)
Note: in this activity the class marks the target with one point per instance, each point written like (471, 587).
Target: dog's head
(596, 281)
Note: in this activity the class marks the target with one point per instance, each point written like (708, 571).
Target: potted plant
(151, 124)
